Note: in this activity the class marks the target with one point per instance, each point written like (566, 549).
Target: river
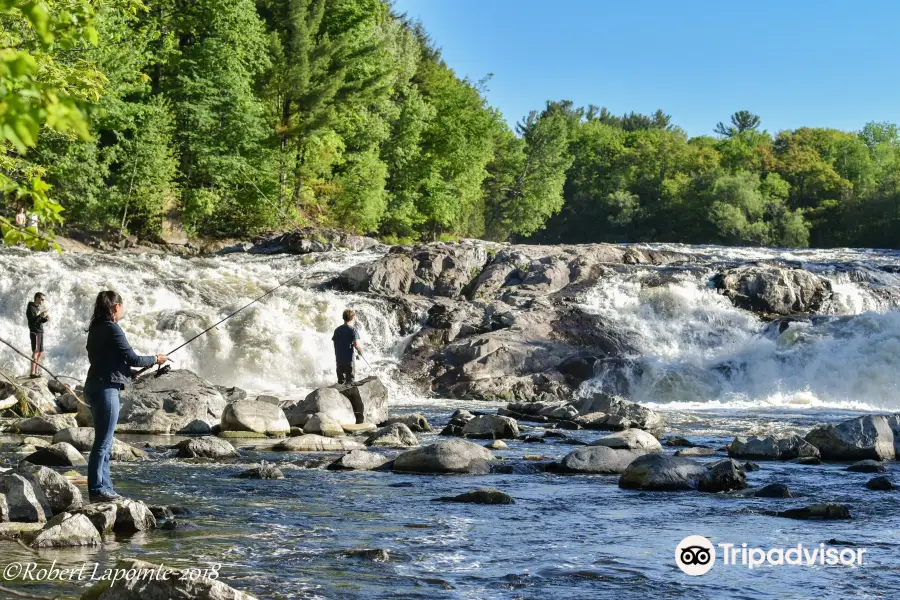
(713, 370)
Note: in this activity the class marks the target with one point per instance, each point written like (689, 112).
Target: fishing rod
(162, 370)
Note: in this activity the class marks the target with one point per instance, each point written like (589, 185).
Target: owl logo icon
(695, 555)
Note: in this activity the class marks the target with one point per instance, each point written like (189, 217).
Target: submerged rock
(880, 484)
(772, 448)
(480, 496)
(867, 466)
(206, 447)
(255, 417)
(263, 471)
(446, 456)
(824, 512)
(179, 584)
(774, 490)
(871, 436)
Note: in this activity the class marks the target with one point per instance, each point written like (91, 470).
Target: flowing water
(714, 370)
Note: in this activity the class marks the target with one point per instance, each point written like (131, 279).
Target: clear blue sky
(795, 63)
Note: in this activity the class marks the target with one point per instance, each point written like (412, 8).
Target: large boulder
(359, 460)
(322, 424)
(46, 424)
(772, 448)
(774, 290)
(177, 402)
(636, 415)
(24, 502)
(82, 439)
(316, 443)
(598, 460)
(491, 427)
(60, 454)
(62, 495)
(255, 417)
(328, 401)
(658, 472)
(183, 585)
(631, 439)
(873, 436)
(397, 435)
(446, 456)
(67, 530)
(369, 399)
(205, 447)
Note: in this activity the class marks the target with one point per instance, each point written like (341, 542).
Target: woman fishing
(111, 359)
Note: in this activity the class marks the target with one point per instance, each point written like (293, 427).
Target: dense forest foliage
(235, 116)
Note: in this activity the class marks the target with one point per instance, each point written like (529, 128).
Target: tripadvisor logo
(695, 555)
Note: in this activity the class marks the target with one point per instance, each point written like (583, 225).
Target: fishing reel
(161, 370)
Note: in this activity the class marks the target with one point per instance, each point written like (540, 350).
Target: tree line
(236, 116)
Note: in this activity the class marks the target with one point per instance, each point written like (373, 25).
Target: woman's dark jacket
(111, 355)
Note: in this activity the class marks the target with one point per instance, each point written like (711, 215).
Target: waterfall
(696, 349)
(280, 345)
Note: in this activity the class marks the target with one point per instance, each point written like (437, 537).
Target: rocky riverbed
(495, 448)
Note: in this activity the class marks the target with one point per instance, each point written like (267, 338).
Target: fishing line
(211, 327)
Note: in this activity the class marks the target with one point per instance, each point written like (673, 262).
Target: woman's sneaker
(104, 497)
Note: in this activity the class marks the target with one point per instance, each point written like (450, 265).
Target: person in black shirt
(111, 358)
(346, 339)
(36, 316)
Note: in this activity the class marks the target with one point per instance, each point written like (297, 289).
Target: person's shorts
(37, 342)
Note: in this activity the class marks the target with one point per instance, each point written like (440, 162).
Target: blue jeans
(104, 402)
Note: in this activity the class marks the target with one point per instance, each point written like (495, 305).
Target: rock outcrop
(873, 436)
(177, 402)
